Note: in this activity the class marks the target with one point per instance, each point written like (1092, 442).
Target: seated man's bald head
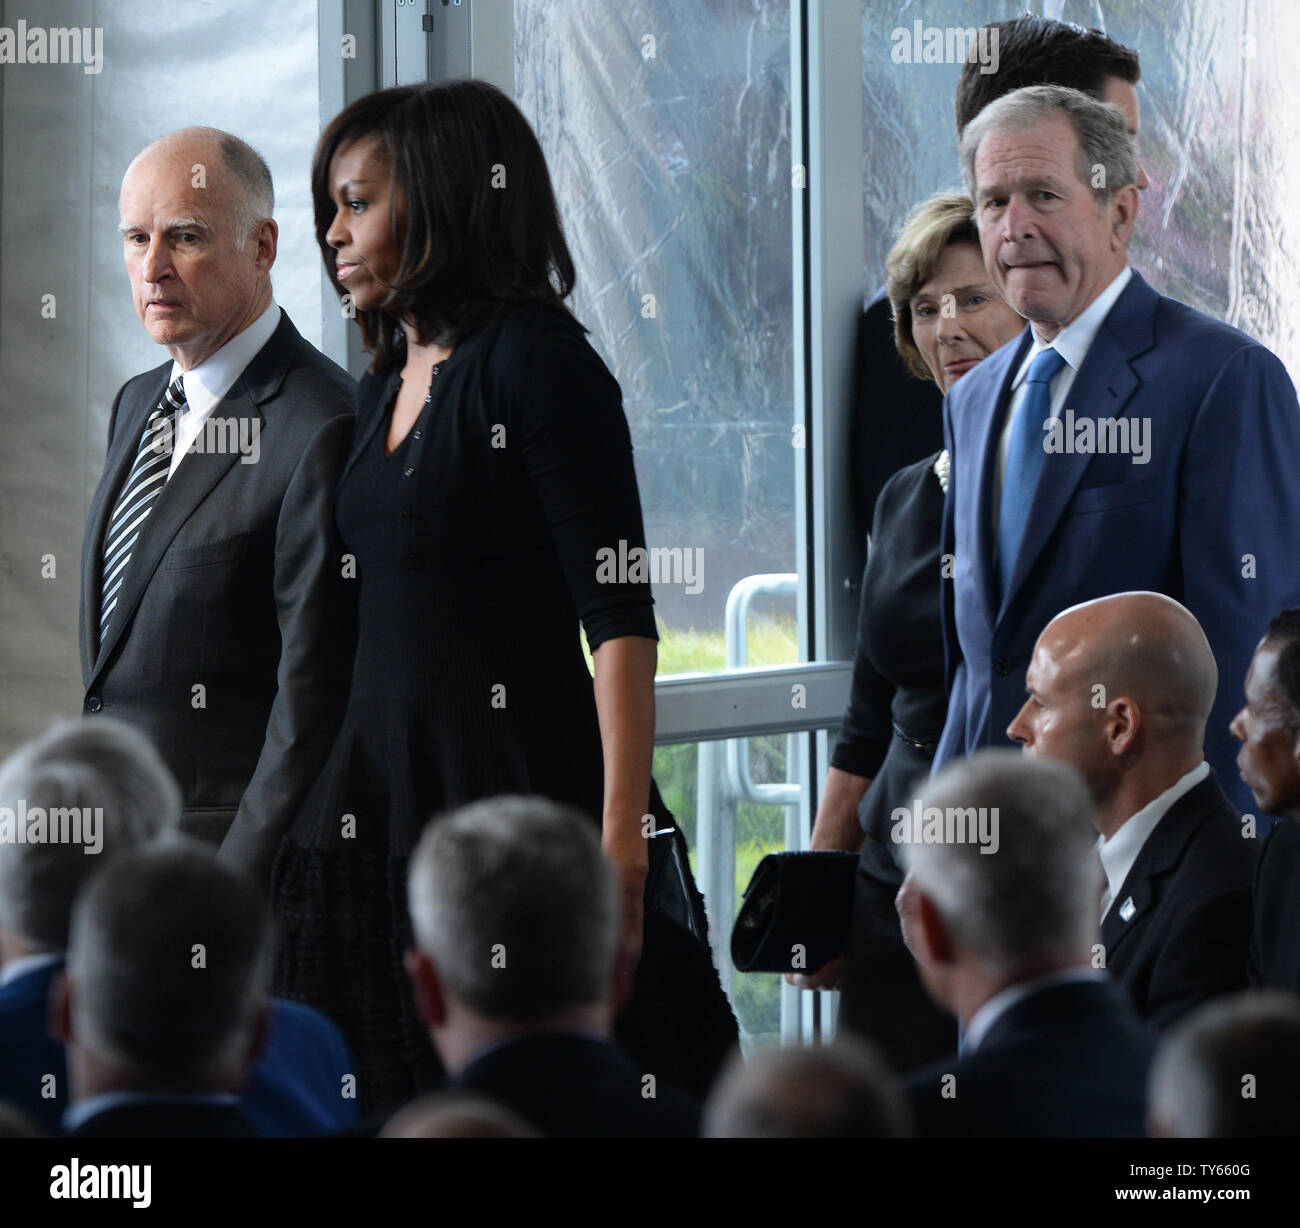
(1149, 648)
(1120, 688)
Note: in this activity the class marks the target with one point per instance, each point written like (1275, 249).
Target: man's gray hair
(1230, 1069)
(1105, 145)
(517, 908)
(113, 779)
(256, 199)
(841, 1090)
(1037, 893)
(169, 959)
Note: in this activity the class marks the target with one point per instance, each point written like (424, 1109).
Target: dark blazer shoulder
(1067, 1061)
(290, 366)
(906, 484)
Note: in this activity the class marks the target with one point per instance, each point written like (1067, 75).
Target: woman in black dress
(492, 466)
(947, 317)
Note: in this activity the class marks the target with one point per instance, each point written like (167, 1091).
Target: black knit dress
(475, 547)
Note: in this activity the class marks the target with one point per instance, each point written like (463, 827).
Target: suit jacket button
(1002, 668)
(94, 703)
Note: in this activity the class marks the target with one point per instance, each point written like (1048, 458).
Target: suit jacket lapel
(1103, 387)
(196, 476)
(1160, 856)
(129, 429)
(192, 482)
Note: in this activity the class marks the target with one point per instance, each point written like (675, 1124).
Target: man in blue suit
(1124, 442)
(72, 801)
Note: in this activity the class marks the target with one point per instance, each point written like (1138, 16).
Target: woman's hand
(836, 827)
(628, 851)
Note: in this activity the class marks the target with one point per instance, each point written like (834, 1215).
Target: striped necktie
(143, 485)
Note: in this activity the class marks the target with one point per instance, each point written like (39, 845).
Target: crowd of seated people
(1113, 950)
(1112, 946)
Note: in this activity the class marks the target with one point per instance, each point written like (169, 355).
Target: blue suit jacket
(295, 1088)
(1212, 520)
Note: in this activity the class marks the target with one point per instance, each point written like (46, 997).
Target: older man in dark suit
(514, 967)
(1124, 442)
(212, 611)
(1120, 688)
(1001, 916)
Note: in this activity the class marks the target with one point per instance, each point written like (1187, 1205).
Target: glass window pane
(666, 128)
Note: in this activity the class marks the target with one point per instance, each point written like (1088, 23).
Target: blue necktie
(1024, 460)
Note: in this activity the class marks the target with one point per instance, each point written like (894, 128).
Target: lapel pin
(1127, 909)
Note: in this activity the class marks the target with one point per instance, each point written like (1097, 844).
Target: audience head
(1034, 50)
(14, 1123)
(947, 315)
(167, 970)
(1268, 726)
(841, 1090)
(1120, 688)
(434, 205)
(1052, 173)
(1002, 878)
(456, 1115)
(199, 239)
(96, 788)
(516, 922)
(1231, 1069)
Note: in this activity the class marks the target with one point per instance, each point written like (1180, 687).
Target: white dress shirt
(1072, 343)
(1120, 852)
(83, 1110)
(29, 963)
(998, 1005)
(208, 382)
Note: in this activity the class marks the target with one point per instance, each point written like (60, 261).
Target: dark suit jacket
(1212, 519)
(235, 586)
(1188, 937)
(1069, 1061)
(295, 1087)
(897, 419)
(1275, 936)
(578, 1087)
(167, 1119)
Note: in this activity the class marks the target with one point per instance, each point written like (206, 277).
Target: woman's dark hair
(481, 225)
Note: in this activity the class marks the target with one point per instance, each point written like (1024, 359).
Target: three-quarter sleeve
(567, 414)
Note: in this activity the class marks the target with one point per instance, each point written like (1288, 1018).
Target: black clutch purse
(796, 912)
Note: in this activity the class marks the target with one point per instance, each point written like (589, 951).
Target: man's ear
(1123, 215)
(1123, 721)
(267, 241)
(932, 932)
(430, 1000)
(59, 1009)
